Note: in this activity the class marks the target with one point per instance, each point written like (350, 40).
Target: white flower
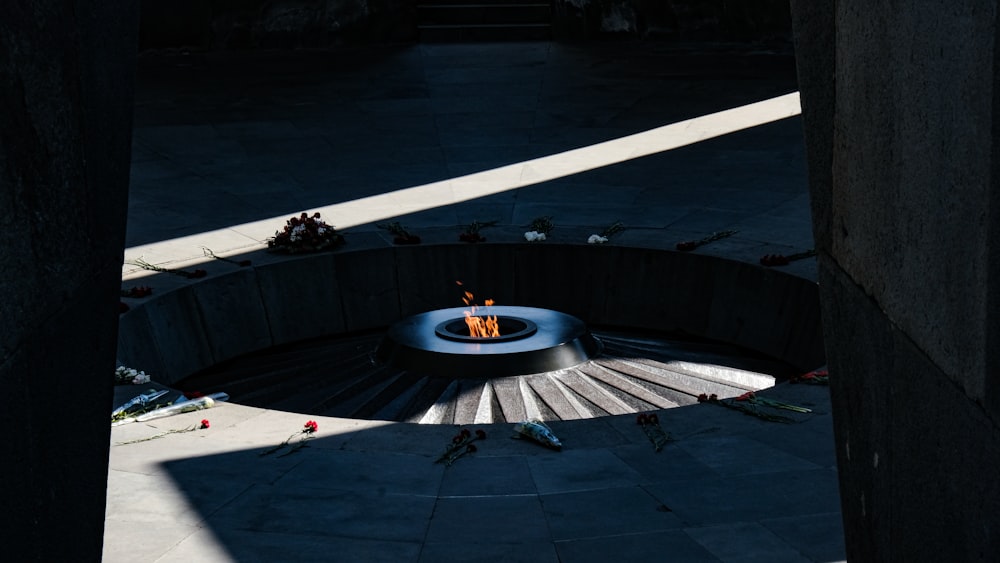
(140, 378)
(597, 239)
(532, 236)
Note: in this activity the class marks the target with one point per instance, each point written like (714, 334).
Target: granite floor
(437, 136)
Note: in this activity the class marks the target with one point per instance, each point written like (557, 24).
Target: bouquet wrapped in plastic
(539, 432)
(188, 405)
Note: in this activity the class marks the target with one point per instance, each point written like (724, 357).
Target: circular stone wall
(188, 326)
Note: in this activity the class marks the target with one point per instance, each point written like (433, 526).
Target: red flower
(471, 448)
(687, 246)
(641, 419)
(457, 439)
(204, 423)
(480, 434)
(746, 396)
(198, 274)
(465, 433)
(652, 419)
(702, 398)
(192, 394)
(713, 397)
(310, 427)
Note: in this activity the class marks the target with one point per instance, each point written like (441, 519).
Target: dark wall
(66, 73)
(738, 21)
(252, 24)
(900, 104)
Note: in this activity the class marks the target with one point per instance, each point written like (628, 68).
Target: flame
(479, 326)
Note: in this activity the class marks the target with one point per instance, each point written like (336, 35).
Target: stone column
(902, 109)
(66, 82)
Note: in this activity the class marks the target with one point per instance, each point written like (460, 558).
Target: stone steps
(338, 378)
(454, 21)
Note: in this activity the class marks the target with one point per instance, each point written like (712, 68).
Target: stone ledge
(288, 298)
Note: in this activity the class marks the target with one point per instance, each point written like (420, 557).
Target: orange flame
(480, 326)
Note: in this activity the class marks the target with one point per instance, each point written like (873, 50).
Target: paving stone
(672, 545)
(671, 463)
(375, 472)
(513, 551)
(743, 542)
(482, 474)
(292, 508)
(244, 545)
(580, 470)
(729, 455)
(740, 498)
(605, 512)
(818, 536)
(471, 519)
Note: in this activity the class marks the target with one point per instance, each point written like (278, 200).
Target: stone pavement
(436, 136)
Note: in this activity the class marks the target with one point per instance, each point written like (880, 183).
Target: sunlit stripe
(250, 236)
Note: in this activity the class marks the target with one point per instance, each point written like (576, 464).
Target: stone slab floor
(436, 136)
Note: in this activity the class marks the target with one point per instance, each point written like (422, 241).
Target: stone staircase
(338, 377)
(456, 21)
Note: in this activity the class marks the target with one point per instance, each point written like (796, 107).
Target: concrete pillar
(66, 79)
(902, 109)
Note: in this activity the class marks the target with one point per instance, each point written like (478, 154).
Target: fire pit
(523, 340)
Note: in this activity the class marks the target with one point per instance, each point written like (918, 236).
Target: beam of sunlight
(253, 235)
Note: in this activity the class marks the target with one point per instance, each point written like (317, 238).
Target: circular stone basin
(531, 341)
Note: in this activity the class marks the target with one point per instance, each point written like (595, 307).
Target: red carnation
(471, 448)
(480, 434)
(641, 419)
(702, 398)
(204, 423)
(465, 433)
(652, 419)
(311, 427)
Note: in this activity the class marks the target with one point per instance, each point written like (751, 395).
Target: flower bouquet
(771, 260)
(471, 232)
(606, 234)
(539, 229)
(195, 274)
(137, 292)
(651, 426)
(184, 405)
(306, 434)
(128, 376)
(241, 263)
(400, 235)
(537, 430)
(305, 234)
(461, 444)
(750, 404)
(689, 245)
(815, 377)
(203, 425)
